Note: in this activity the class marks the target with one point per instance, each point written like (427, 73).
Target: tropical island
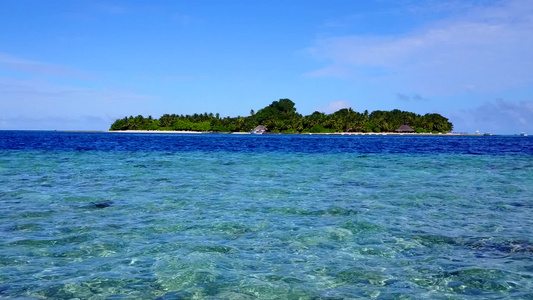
(281, 117)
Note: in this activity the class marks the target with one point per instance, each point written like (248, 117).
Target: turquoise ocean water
(146, 216)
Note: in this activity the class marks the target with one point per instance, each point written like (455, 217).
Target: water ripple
(159, 217)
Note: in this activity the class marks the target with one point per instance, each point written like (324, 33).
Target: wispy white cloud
(496, 116)
(40, 101)
(38, 104)
(13, 89)
(500, 112)
(439, 6)
(40, 68)
(486, 48)
(82, 122)
(39, 90)
(334, 106)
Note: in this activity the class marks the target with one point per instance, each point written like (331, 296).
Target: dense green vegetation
(281, 116)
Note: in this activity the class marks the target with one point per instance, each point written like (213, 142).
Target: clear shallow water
(114, 216)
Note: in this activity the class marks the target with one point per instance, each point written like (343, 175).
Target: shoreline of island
(277, 133)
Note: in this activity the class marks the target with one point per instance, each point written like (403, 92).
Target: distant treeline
(281, 116)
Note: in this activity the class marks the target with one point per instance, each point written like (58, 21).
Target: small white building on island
(259, 130)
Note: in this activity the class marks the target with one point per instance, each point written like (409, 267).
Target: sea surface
(207, 216)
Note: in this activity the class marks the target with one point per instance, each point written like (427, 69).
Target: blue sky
(79, 65)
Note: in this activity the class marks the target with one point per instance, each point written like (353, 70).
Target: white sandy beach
(155, 131)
